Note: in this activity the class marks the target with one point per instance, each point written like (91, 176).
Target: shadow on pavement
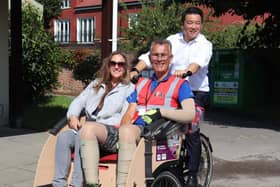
(229, 117)
(7, 131)
(257, 168)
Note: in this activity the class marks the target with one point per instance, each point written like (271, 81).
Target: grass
(43, 115)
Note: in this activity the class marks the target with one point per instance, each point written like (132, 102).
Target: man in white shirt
(192, 53)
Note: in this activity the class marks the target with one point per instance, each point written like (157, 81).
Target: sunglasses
(120, 64)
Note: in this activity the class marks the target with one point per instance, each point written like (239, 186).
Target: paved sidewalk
(237, 143)
(246, 152)
(231, 141)
(20, 150)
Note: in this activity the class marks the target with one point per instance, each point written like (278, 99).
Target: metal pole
(115, 25)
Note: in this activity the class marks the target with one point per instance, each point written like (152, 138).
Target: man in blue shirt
(163, 95)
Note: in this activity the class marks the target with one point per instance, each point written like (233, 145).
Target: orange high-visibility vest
(165, 94)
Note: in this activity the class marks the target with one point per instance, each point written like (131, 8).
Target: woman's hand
(74, 123)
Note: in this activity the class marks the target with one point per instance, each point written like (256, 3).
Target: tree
(268, 34)
(163, 18)
(41, 56)
(51, 10)
(152, 23)
(87, 69)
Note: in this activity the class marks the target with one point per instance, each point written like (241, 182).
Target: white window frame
(85, 30)
(62, 31)
(65, 4)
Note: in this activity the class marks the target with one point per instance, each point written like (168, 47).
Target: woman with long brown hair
(104, 102)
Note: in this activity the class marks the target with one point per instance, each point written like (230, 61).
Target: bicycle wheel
(205, 172)
(166, 179)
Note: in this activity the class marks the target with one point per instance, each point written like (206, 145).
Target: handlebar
(59, 125)
(188, 74)
(136, 77)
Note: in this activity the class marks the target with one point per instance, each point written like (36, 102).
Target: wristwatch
(135, 69)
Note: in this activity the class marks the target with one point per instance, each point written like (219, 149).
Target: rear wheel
(205, 172)
(166, 179)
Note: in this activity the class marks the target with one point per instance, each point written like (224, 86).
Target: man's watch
(135, 69)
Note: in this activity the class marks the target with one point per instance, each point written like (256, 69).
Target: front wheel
(166, 179)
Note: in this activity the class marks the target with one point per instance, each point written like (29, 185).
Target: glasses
(160, 55)
(120, 64)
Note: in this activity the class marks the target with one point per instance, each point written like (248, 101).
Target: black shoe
(192, 181)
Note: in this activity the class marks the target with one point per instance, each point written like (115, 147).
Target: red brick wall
(67, 84)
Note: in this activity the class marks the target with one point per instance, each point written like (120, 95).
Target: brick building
(80, 22)
(80, 26)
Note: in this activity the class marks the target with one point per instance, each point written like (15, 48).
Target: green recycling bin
(225, 78)
(235, 79)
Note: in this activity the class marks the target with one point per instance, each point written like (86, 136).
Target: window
(65, 4)
(132, 20)
(62, 31)
(85, 30)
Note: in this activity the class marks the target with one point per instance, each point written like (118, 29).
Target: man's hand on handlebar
(182, 73)
(134, 75)
(134, 79)
(179, 73)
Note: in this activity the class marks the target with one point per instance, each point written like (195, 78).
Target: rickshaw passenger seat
(109, 158)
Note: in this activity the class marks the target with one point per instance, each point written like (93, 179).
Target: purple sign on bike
(166, 149)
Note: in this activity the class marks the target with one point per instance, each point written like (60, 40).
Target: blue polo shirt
(185, 92)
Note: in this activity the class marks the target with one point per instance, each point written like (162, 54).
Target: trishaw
(159, 160)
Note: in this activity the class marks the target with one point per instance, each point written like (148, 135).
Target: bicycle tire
(205, 172)
(166, 179)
